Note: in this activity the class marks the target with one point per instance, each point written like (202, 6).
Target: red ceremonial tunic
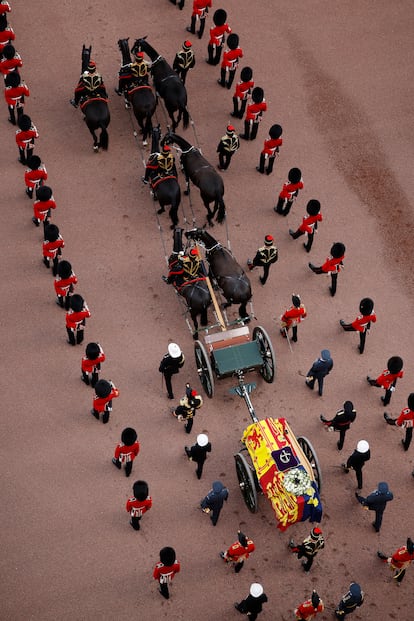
(50, 249)
(74, 319)
(401, 559)
(5, 7)
(292, 316)
(306, 611)
(309, 222)
(333, 265)
(163, 574)
(126, 453)
(23, 138)
(88, 365)
(270, 146)
(6, 36)
(243, 89)
(238, 553)
(33, 178)
(361, 322)
(289, 189)
(406, 418)
(14, 95)
(199, 7)
(217, 33)
(99, 403)
(231, 59)
(386, 379)
(63, 285)
(255, 110)
(9, 65)
(40, 208)
(137, 508)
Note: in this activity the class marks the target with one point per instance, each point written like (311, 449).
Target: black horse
(141, 96)
(96, 111)
(195, 292)
(166, 189)
(203, 175)
(230, 277)
(167, 84)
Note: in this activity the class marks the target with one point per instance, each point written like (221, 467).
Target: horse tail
(221, 214)
(104, 139)
(186, 118)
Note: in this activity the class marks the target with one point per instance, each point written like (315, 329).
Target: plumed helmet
(395, 364)
(275, 131)
(51, 232)
(219, 17)
(257, 94)
(246, 74)
(256, 589)
(167, 556)
(295, 175)
(242, 539)
(92, 349)
(366, 306)
(12, 79)
(315, 599)
(174, 350)
(91, 66)
(338, 250)
(140, 490)
(313, 207)
(362, 446)
(315, 533)
(268, 240)
(230, 129)
(76, 302)
(64, 270)
(194, 252)
(129, 436)
(202, 439)
(24, 122)
(187, 45)
(325, 354)
(355, 589)
(410, 401)
(9, 51)
(410, 546)
(296, 300)
(34, 162)
(103, 388)
(139, 55)
(44, 193)
(166, 148)
(348, 406)
(232, 41)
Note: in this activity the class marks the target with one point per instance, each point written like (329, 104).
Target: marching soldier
(166, 162)
(165, 570)
(252, 605)
(35, 175)
(184, 60)
(357, 460)
(217, 39)
(227, 147)
(90, 85)
(76, 319)
(105, 391)
(14, 94)
(243, 89)
(64, 284)
(6, 32)
(341, 422)
(400, 560)
(239, 551)
(25, 137)
(333, 265)
(10, 60)
(170, 365)
(126, 450)
(213, 502)
(310, 608)
(362, 323)
(309, 223)
(265, 256)
(52, 247)
(230, 62)
(292, 317)
(388, 378)
(91, 363)
(270, 150)
(43, 205)
(309, 547)
(186, 411)
(377, 501)
(200, 10)
(405, 420)
(198, 452)
(353, 599)
(254, 114)
(139, 503)
(289, 191)
(319, 370)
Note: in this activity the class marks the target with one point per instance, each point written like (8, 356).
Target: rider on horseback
(166, 162)
(183, 268)
(133, 74)
(90, 85)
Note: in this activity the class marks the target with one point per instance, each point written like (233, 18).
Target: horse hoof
(96, 148)
(144, 143)
(186, 192)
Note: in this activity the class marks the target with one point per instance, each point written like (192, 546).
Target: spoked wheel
(312, 458)
(204, 369)
(247, 482)
(268, 370)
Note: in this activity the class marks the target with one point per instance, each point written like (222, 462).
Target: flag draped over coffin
(282, 477)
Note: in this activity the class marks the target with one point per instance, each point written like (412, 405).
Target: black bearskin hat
(12, 79)
(232, 41)
(167, 556)
(395, 364)
(51, 232)
(366, 306)
(258, 95)
(295, 175)
(92, 350)
(9, 51)
(34, 162)
(102, 387)
(129, 436)
(315, 599)
(275, 131)
(219, 17)
(44, 193)
(313, 207)
(296, 300)
(140, 490)
(24, 122)
(410, 546)
(246, 74)
(338, 250)
(242, 539)
(76, 302)
(64, 269)
(410, 401)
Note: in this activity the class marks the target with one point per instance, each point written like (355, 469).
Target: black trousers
(225, 159)
(199, 471)
(311, 384)
(135, 522)
(340, 443)
(309, 241)
(168, 384)
(236, 112)
(283, 206)
(408, 437)
(164, 590)
(214, 55)
(71, 336)
(334, 280)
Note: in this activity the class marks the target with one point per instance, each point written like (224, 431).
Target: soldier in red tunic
(184, 60)
(309, 223)
(64, 284)
(388, 378)
(243, 89)
(400, 560)
(105, 391)
(239, 551)
(35, 175)
(91, 363)
(4, 7)
(270, 150)
(230, 62)
(6, 32)
(200, 10)
(405, 420)
(25, 137)
(217, 39)
(332, 265)
(292, 317)
(9, 60)
(139, 503)
(254, 114)
(165, 570)
(309, 609)
(362, 323)
(52, 247)
(14, 94)
(76, 319)
(126, 450)
(42, 206)
(289, 191)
